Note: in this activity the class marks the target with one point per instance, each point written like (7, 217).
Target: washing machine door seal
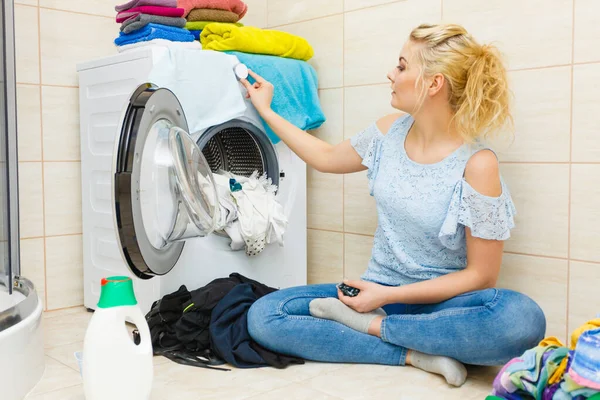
(163, 191)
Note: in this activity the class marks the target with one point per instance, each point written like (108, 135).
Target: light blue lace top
(423, 208)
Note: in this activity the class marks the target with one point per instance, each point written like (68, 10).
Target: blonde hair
(478, 88)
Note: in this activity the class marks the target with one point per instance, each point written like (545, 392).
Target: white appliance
(143, 213)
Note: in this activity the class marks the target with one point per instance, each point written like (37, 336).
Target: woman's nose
(390, 76)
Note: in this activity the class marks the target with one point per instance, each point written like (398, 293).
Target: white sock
(334, 309)
(454, 372)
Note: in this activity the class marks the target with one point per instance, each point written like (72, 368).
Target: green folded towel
(199, 25)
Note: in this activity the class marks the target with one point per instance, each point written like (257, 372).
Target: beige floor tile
(70, 393)
(56, 376)
(308, 370)
(294, 391)
(198, 383)
(65, 354)
(65, 329)
(378, 381)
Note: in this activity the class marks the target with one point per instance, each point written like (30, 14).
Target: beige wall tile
(96, 7)
(350, 5)
(27, 44)
(532, 33)
(541, 196)
(364, 105)
(373, 38)
(326, 37)
(32, 265)
(60, 110)
(27, 2)
(29, 123)
(325, 200)
(72, 38)
(325, 191)
(587, 30)
(357, 251)
(285, 12)
(542, 116)
(586, 122)
(256, 14)
(585, 213)
(325, 256)
(64, 271)
(62, 187)
(545, 281)
(360, 212)
(31, 198)
(584, 295)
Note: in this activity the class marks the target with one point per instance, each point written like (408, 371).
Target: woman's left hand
(371, 296)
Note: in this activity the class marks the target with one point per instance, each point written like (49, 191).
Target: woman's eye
(400, 67)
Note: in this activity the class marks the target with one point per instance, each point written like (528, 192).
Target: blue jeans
(486, 327)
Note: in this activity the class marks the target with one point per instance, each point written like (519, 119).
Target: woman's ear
(437, 83)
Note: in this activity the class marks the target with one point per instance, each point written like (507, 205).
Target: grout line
(63, 309)
(518, 253)
(51, 236)
(570, 169)
(76, 12)
(343, 137)
(442, 9)
(51, 161)
(47, 84)
(342, 232)
(552, 162)
(335, 14)
(39, 28)
(60, 362)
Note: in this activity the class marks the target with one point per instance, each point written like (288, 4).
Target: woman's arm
(322, 156)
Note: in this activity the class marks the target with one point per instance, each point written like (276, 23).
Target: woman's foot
(334, 309)
(454, 372)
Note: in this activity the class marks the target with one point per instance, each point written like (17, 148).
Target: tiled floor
(64, 331)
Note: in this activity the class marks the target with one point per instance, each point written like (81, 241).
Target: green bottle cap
(116, 291)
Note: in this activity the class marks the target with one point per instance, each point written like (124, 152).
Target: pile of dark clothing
(208, 326)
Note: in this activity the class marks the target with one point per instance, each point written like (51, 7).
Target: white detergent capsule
(241, 71)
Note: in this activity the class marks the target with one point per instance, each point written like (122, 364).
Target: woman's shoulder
(385, 123)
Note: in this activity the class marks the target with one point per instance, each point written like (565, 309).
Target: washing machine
(148, 199)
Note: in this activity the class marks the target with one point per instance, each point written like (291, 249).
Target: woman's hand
(260, 93)
(371, 296)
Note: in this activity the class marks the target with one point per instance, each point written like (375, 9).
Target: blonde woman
(427, 298)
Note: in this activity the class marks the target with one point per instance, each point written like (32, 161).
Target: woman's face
(403, 78)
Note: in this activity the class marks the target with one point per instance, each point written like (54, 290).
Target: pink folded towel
(152, 10)
(236, 6)
(139, 3)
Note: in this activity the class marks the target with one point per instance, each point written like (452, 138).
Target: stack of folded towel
(145, 20)
(200, 13)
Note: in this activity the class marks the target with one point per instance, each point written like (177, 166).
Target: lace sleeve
(368, 146)
(489, 218)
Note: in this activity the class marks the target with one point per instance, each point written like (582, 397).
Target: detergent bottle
(114, 367)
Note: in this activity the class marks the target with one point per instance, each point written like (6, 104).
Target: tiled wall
(52, 36)
(552, 167)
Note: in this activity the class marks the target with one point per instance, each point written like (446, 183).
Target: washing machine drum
(163, 187)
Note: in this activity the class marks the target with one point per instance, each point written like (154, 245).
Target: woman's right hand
(260, 93)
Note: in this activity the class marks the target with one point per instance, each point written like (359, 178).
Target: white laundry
(251, 216)
(159, 42)
(227, 207)
(261, 217)
(204, 83)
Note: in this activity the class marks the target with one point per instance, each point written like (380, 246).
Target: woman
(427, 298)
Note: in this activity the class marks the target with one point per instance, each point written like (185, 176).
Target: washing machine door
(163, 189)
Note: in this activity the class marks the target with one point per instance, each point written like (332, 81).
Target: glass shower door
(9, 221)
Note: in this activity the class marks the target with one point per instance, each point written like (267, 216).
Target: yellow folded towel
(248, 39)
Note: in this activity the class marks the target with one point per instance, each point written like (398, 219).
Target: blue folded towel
(155, 31)
(295, 97)
(196, 34)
